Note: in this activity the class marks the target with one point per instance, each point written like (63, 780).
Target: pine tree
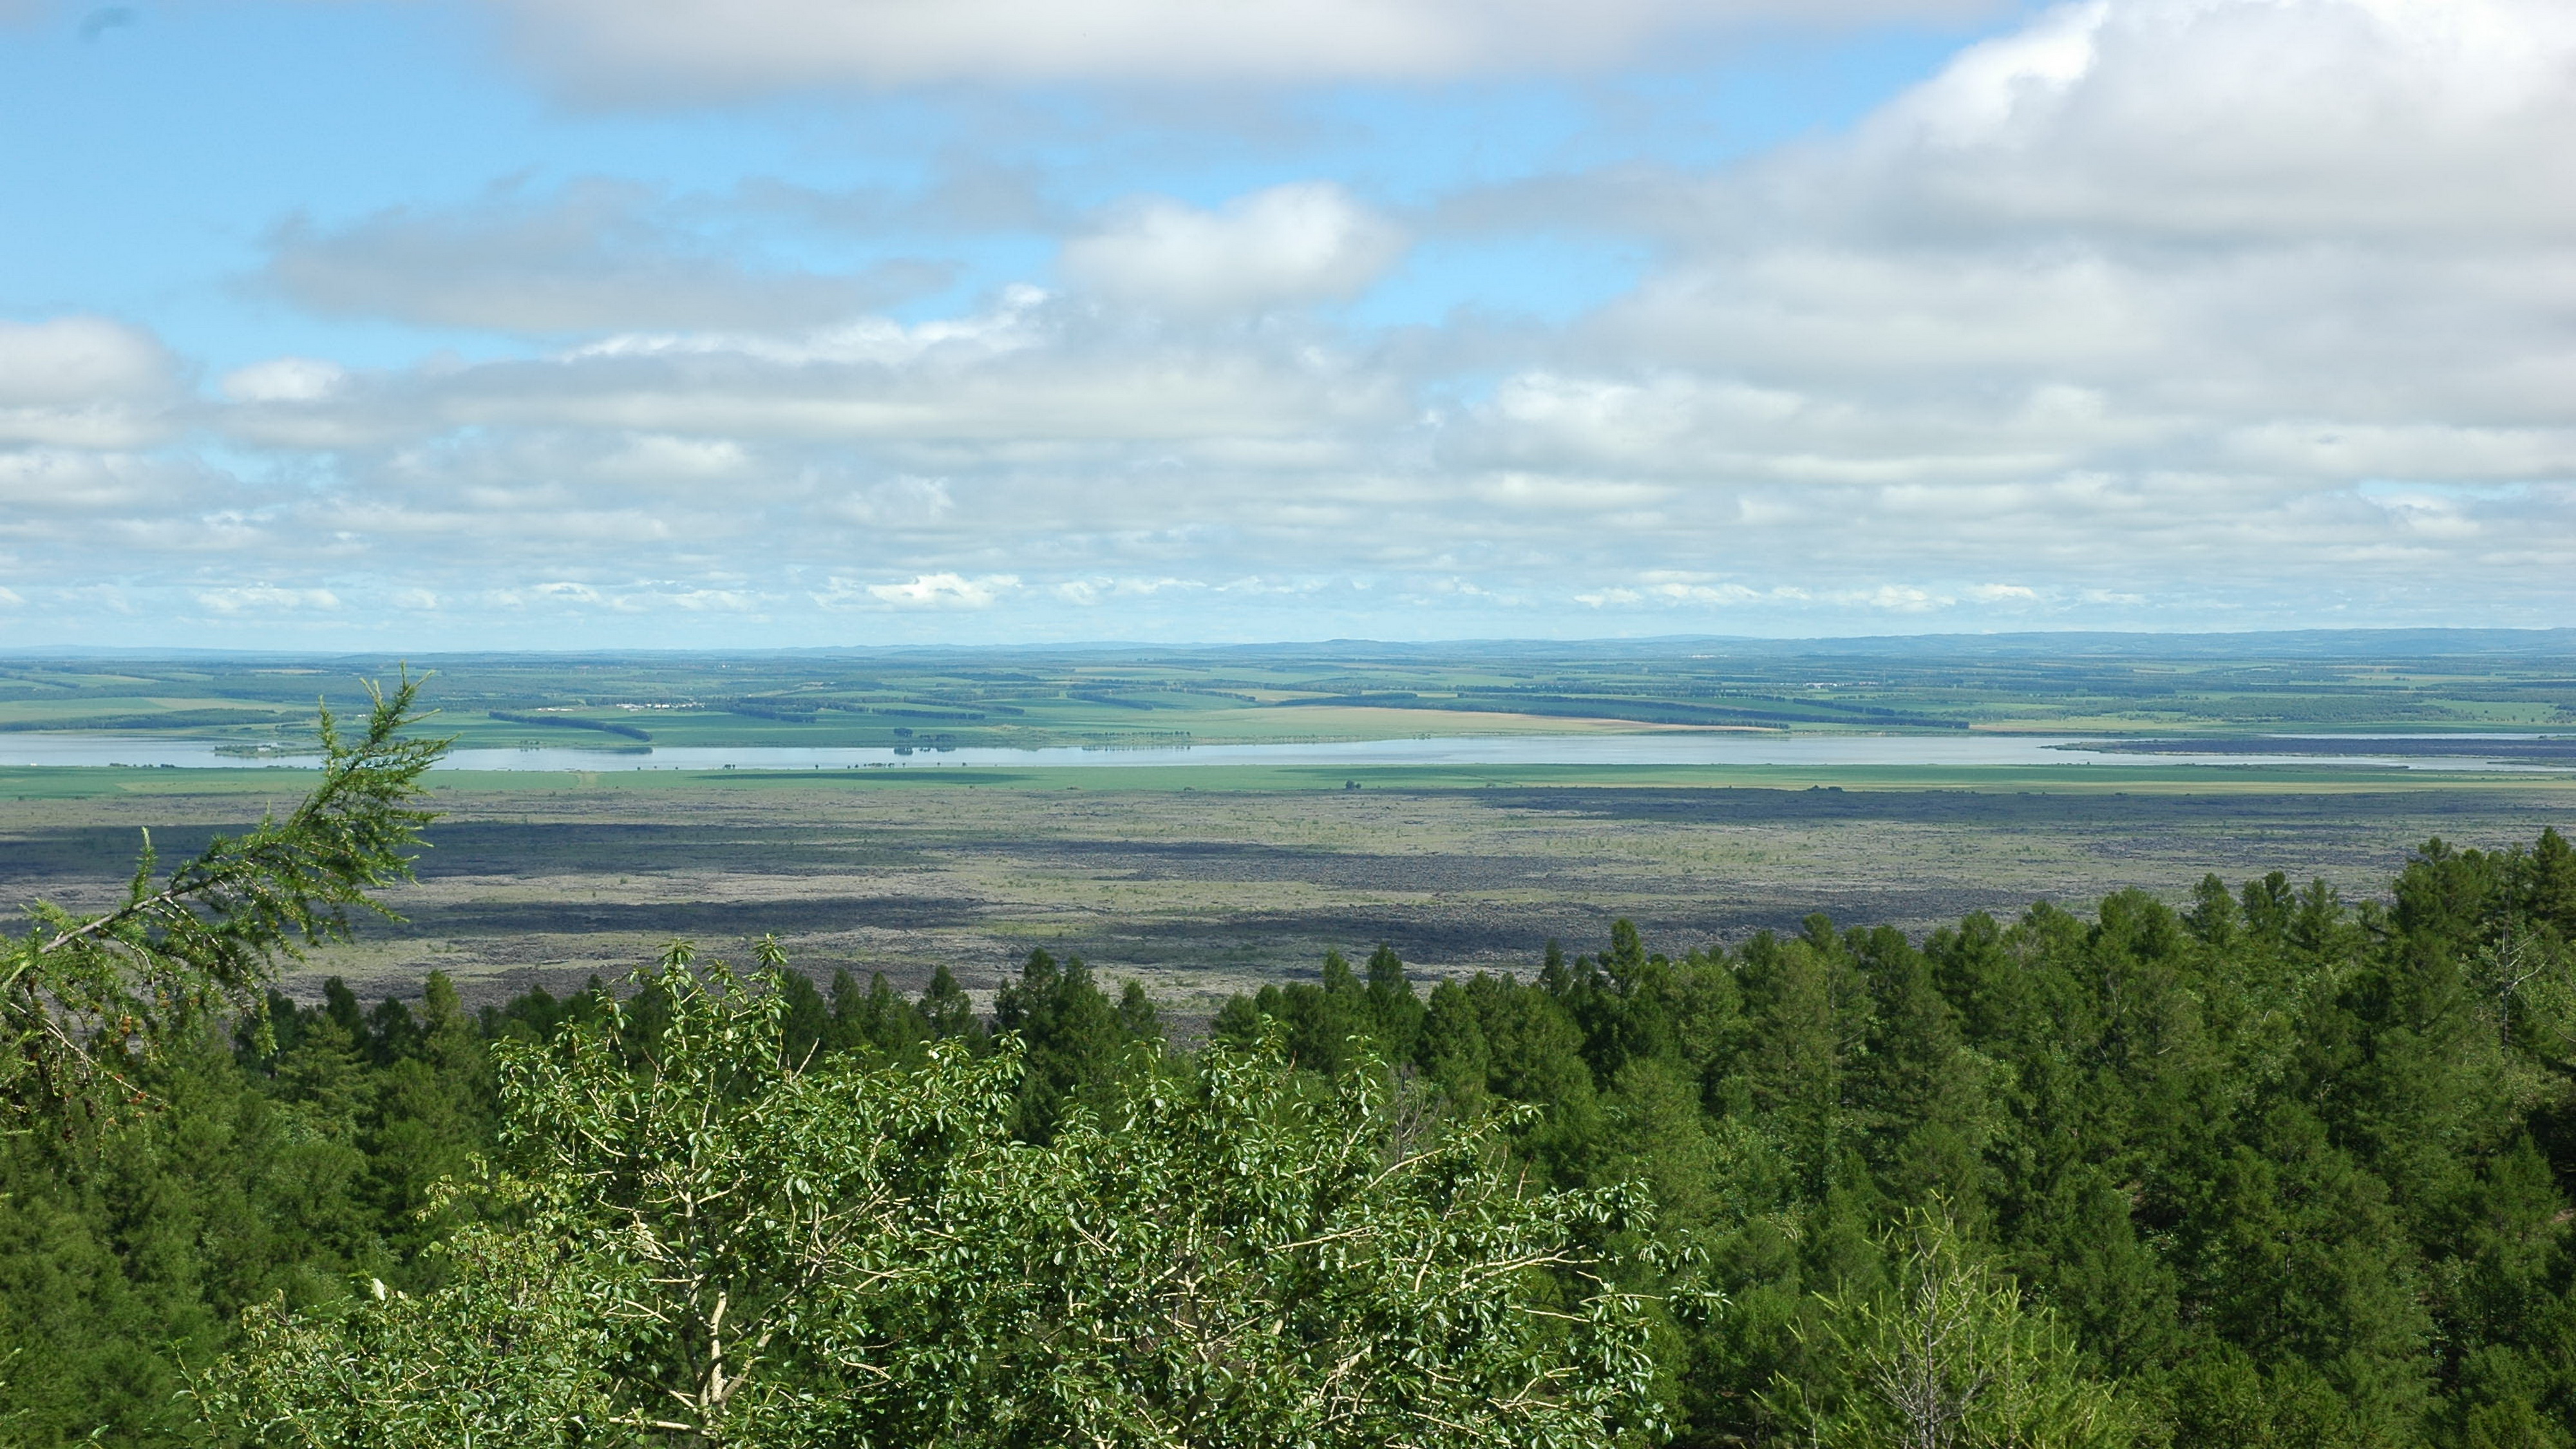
(81, 997)
(950, 1015)
(1394, 1012)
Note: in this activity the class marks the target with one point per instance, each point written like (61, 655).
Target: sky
(539, 324)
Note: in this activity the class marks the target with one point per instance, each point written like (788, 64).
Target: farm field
(1200, 882)
(2316, 682)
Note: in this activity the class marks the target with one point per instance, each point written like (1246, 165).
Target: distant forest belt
(947, 715)
(1633, 711)
(567, 722)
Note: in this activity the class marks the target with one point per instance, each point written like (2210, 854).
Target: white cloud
(1900, 598)
(924, 591)
(655, 458)
(2234, 118)
(79, 360)
(46, 488)
(1092, 592)
(658, 47)
(2288, 244)
(1707, 593)
(896, 501)
(1610, 598)
(1018, 321)
(1665, 589)
(1307, 242)
(1675, 586)
(724, 601)
(1023, 375)
(265, 598)
(1551, 493)
(1575, 441)
(285, 380)
(2407, 450)
(83, 382)
(597, 256)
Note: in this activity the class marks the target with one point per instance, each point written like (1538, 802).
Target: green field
(2416, 681)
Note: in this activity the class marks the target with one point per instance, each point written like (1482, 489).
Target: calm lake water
(1674, 749)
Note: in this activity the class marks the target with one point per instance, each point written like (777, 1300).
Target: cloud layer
(594, 257)
(83, 382)
(1307, 242)
(2178, 313)
(624, 46)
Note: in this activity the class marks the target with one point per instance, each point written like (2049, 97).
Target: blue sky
(549, 323)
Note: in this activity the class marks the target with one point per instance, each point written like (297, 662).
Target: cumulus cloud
(1307, 242)
(896, 501)
(923, 591)
(72, 360)
(596, 256)
(48, 491)
(734, 46)
(2289, 241)
(286, 380)
(1900, 598)
(1092, 592)
(1661, 587)
(1023, 377)
(1578, 440)
(265, 598)
(83, 382)
(2189, 120)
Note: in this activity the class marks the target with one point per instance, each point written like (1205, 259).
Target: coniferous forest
(2263, 1167)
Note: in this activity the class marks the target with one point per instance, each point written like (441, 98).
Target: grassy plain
(1201, 881)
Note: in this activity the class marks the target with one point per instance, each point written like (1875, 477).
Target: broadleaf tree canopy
(692, 1237)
